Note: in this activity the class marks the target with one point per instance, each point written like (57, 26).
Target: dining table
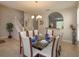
(41, 42)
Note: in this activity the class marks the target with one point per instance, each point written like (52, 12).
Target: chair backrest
(27, 47)
(49, 32)
(30, 34)
(55, 46)
(27, 33)
(35, 32)
(23, 35)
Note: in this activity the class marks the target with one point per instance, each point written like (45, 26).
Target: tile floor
(11, 49)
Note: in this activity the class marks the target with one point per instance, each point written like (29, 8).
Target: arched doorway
(56, 20)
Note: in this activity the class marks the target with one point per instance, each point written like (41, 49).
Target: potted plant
(74, 40)
(9, 27)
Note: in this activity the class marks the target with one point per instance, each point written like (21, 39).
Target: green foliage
(9, 27)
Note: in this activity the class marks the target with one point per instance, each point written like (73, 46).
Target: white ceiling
(41, 6)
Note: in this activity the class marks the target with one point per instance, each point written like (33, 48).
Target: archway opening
(56, 20)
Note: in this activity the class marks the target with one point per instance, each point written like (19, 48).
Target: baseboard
(3, 37)
(69, 41)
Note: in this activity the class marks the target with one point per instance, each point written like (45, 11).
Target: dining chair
(32, 37)
(21, 46)
(60, 33)
(30, 33)
(59, 46)
(28, 50)
(49, 32)
(55, 48)
(51, 49)
(36, 32)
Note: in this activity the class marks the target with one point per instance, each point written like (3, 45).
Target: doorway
(56, 20)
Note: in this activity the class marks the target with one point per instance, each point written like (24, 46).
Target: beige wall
(69, 16)
(8, 15)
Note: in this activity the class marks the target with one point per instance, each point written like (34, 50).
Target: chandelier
(36, 17)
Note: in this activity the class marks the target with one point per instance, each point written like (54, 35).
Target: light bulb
(32, 16)
(39, 16)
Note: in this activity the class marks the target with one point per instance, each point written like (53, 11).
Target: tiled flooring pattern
(11, 49)
(69, 50)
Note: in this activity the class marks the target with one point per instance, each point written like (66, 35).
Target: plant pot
(9, 36)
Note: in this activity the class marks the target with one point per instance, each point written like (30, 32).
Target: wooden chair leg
(20, 50)
(59, 51)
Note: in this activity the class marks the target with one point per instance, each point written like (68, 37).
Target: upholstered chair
(28, 50)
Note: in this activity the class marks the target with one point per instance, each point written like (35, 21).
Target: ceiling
(38, 6)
